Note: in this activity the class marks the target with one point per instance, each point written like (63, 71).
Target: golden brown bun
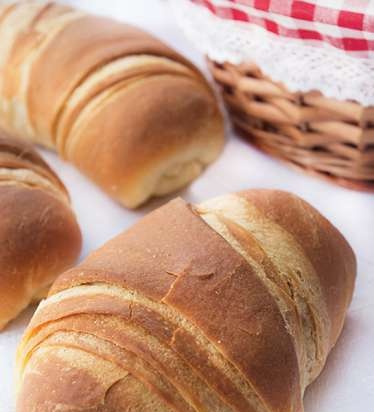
(39, 235)
(231, 305)
(130, 113)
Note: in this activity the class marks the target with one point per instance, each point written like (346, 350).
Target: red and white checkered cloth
(347, 25)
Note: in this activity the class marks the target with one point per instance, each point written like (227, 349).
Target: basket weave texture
(326, 137)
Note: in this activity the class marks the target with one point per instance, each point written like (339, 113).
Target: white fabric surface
(300, 66)
(347, 383)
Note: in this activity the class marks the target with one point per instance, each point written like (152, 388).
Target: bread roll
(130, 113)
(39, 235)
(231, 305)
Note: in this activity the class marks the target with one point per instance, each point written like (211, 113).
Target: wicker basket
(326, 137)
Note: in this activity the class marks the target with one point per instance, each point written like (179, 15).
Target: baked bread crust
(131, 113)
(39, 234)
(204, 295)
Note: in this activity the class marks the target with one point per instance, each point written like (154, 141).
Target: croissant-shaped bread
(232, 305)
(39, 235)
(129, 112)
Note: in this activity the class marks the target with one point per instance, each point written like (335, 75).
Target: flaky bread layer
(326, 248)
(93, 42)
(130, 393)
(179, 139)
(147, 347)
(158, 320)
(141, 370)
(121, 71)
(28, 178)
(38, 25)
(289, 260)
(281, 237)
(257, 258)
(83, 384)
(19, 154)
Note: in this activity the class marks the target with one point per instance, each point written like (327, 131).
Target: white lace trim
(301, 67)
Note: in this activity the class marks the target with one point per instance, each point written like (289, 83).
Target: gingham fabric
(344, 24)
(325, 45)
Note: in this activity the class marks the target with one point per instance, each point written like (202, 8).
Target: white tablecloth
(347, 383)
